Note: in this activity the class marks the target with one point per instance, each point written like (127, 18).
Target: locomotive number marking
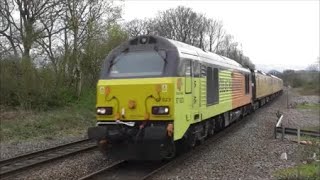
(166, 99)
(179, 100)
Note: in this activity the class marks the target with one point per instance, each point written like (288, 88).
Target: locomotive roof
(184, 50)
(207, 56)
(267, 74)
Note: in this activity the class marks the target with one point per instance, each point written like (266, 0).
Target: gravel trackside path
(303, 118)
(250, 152)
(70, 168)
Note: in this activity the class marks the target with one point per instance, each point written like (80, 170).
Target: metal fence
(279, 128)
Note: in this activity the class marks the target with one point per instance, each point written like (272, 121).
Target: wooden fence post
(282, 138)
(298, 133)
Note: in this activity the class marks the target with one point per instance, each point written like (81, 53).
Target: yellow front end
(136, 99)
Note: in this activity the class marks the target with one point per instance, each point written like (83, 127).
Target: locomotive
(156, 96)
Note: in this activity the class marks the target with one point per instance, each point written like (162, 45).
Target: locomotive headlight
(143, 40)
(160, 110)
(104, 110)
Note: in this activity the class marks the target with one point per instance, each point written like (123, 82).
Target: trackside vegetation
(304, 171)
(71, 120)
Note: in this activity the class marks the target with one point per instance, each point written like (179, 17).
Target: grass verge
(309, 106)
(309, 89)
(16, 126)
(304, 171)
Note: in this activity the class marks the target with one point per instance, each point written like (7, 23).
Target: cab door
(196, 89)
(188, 89)
(192, 88)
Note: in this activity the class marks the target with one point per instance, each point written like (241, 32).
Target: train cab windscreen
(137, 64)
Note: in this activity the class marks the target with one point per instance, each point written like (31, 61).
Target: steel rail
(11, 166)
(123, 169)
(100, 173)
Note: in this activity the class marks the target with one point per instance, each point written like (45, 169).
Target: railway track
(15, 165)
(143, 170)
(132, 170)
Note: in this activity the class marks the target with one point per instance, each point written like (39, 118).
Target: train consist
(157, 95)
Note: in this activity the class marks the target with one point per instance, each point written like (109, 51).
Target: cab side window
(196, 69)
(247, 83)
(182, 68)
(188, 68)
(212, 85)
(188, 76)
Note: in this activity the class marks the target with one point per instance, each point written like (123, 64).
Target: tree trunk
(77, 60)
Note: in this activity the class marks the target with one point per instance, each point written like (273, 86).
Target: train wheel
(192, 142)
(171, 151)
(219, 125)
(186, 143)
(191, 138)
(211, 128)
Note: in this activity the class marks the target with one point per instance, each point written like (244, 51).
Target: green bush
(31, 88)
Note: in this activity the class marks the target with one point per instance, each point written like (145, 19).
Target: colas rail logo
(179, 84)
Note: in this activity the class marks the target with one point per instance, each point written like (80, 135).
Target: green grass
(308, 138)
(304, 171)
(309, 88)
(71, 120)
(313, 128)
(309, 106)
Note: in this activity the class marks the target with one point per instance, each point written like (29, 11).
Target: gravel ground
(303, 118)
(249, 152)
(74, 167)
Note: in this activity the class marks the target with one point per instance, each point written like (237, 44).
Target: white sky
(271, 32)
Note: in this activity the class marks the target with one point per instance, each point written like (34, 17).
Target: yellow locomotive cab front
(135, 106)
(135, 99)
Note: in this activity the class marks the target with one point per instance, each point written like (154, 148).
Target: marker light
(104, 110)
(107, 90)
(143, 40)
(160, 110)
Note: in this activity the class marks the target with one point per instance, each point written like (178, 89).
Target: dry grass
(19, 125)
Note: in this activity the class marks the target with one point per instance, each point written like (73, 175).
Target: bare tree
(178, 24)
(83, 17)
(215, 33)
(138, 27)
(7, 29)
(49, 40)
(23, 31)
(314, 66)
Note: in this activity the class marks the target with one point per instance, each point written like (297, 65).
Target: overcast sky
(271, 32)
